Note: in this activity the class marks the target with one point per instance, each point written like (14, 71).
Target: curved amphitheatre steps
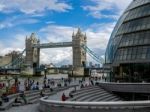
(93, 94)
(86, 89)
(113, 98)
(75, 98)
(102, 98)
(91, 99)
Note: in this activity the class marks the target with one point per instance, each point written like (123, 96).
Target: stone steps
(7, 105)
(86, 90)
(103, 97)
(34, 101)
(32, 98)
(96, 96)
(91, 96)
(75, 98)
(32, 94)
(112, 98)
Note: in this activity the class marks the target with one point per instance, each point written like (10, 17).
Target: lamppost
(72, 72)
(45, 71)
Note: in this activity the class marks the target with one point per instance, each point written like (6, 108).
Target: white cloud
(114, 6)
(32, 6)
(5, 25)
(98, 35)
(56, 56)
(16, 43)
(17, 20)
(56, 33)
(1, 7)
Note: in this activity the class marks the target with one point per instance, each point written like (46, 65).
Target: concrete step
(33, 98)
(92, 99)
(88, 87)
(85, 98)
(13, 95)
(117, 100)
(34, 101)
(31, 91)
(111, 98)
(7, 105)
(33, 94)
(17, 104)
(75, 98)
(86, 90)
(103, 97)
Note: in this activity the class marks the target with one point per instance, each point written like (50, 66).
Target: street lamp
(72, 71)
(45, 71)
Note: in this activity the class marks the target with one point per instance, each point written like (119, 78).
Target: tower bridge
(31, 60)
(33, 47)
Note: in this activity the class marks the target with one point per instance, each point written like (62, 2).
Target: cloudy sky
(54, 21)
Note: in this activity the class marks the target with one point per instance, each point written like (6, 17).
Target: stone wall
(78, 71)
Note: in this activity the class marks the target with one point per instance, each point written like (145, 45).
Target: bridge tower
(79, 54)
(32, 54)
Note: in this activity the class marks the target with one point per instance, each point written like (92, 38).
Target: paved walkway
(26, 108)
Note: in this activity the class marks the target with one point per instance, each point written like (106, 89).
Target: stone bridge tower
(79, 54)
(32, 54)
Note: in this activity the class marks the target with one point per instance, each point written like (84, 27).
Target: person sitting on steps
(17, 100)
(41, 93)
(22, 95)
(64, 98)
(5, 97)
(1, 102)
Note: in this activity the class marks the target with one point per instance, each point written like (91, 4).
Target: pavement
(26, 108)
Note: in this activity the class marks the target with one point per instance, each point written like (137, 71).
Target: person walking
(22, 95)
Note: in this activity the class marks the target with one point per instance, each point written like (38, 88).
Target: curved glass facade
(129, 45)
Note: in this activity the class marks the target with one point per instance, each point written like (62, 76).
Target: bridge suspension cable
(16, 62)
(92, 54)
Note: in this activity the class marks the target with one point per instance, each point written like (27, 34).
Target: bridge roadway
(53, 45)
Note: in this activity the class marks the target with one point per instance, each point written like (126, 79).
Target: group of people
(19, 87)
(31, 85)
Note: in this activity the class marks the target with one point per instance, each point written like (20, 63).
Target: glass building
(128, 50)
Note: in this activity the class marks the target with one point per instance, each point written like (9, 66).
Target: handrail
(116, 104)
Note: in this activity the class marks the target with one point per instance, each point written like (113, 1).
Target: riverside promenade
(25, 108)
(33, 96)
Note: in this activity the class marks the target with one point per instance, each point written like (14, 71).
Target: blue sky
(54, 21)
